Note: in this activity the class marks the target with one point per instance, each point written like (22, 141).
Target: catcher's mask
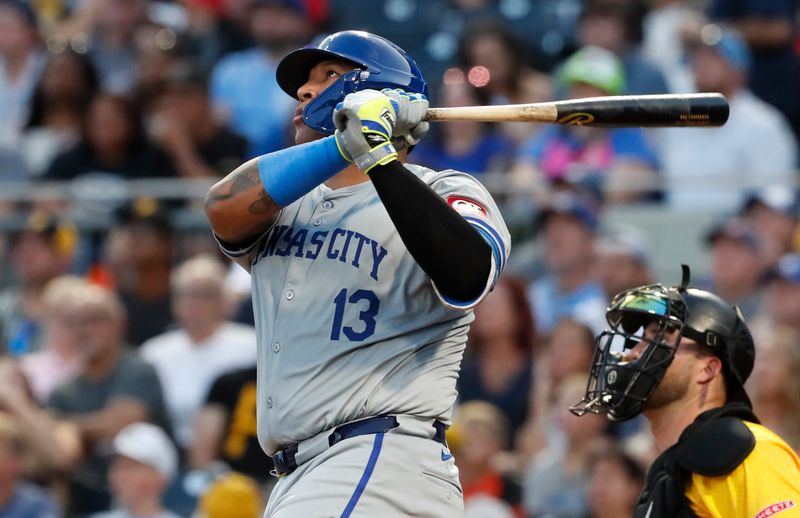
(646, 325)
(379, 64)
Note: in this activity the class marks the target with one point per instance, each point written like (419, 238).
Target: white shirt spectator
(712, 168)
(186, 369)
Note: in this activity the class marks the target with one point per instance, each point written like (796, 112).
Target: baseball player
(365, 270)
(681, 355)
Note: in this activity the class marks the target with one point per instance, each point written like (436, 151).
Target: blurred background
(116, 307)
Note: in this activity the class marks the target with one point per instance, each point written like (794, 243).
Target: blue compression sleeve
(290, 173)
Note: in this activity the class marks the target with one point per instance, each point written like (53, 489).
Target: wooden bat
(621, 110)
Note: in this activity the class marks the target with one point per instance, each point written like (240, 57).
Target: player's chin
(304, 134)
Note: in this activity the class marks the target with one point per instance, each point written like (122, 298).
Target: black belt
(284, 459)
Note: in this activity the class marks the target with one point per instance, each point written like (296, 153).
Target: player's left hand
(410, 126)
(364, 122)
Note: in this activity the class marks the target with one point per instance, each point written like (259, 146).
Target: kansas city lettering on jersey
(343, 245)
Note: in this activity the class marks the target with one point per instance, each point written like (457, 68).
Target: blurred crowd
(127, 347)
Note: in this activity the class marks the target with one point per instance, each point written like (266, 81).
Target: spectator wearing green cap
(599, 160)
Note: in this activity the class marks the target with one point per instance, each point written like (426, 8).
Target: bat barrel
(645, 110)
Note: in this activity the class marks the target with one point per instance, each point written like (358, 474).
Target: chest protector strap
(713, 445)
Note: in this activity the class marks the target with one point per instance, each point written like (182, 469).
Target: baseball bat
(621, 110)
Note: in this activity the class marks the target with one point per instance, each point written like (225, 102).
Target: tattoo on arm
(243, 180)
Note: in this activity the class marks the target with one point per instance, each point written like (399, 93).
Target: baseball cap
(735, 229)
(24, 9)
(144, 211)
(232, 495)
(62, 235)
(569, 204)
(594, 66)
(628, 243)
(728, 44)
(778, 198)
(148, 444)
(291, 5)
(788, 268)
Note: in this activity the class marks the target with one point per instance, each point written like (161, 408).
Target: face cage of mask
(621, 388)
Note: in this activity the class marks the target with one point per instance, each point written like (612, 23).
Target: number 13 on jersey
(369, 304)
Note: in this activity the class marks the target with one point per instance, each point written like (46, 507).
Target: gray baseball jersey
(349, 326)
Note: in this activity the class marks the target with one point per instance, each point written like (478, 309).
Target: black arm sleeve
(446, 247)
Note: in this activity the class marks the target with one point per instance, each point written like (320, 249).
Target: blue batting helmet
(380, 64)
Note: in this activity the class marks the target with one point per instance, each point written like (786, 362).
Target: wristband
(290, 173)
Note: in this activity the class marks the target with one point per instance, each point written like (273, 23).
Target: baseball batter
(365, 270)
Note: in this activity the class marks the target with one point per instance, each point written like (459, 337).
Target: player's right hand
(410, 126)
(364, 122)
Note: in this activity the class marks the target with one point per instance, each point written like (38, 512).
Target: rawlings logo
(774, 509)
(466, 206)
(576, 119)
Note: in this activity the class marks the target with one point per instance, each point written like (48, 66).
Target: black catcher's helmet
(621, 385)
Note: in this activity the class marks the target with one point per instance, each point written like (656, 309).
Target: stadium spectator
(570, 287)
(769, 27)
(473, 147)
(184, 126)
(205, 345)
(144, 463)
(568, 352)
(112, 29)
(615, 481)
(40, 252)
(782, 305)
(480, 434)
(21, 62)
(18, 498)
(663, 28)
(617, 26)
(496, 59)
(557, 477)
(616, 164)
(225, 428)
(57, 360)
(773, 213)
(623, 262)
(714, 167)
(139, 251)
(113, 144)
(737, 265)
(61, 97)
(243, 85)
(52, 446)
(113, 389)
(774, 385)
(498, 368)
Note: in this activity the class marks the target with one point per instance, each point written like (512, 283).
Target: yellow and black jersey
(766, 483)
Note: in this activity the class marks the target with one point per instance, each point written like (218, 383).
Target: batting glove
(410, 126)
(364, 124)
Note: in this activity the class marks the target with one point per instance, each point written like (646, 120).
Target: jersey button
(327, 204)
(317, 222)
(289, 295)
(269, 402)
(276, 347)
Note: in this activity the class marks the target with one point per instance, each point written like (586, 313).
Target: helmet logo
(611, 377)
